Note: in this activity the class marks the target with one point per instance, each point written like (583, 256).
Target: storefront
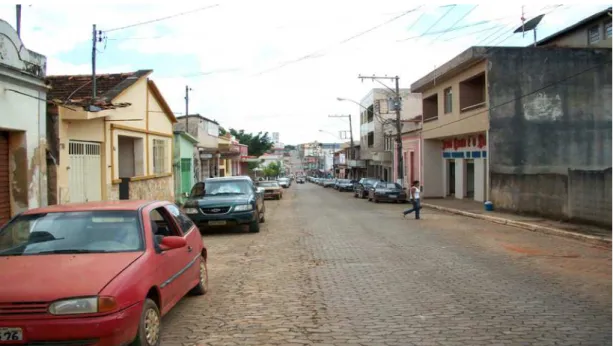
(465, 166)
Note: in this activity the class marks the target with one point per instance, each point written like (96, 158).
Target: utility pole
(397, 108)
(94, 41)
(187, 89)
(350, 131)
(18, 21)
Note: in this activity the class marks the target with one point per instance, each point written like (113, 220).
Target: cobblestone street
(329, 269)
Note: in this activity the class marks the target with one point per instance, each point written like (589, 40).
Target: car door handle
(189, 249)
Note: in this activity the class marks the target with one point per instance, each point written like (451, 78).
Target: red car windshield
(72, 232)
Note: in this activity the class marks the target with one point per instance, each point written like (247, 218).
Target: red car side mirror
(172, 242)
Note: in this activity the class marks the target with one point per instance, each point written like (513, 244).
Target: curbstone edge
(524, 225)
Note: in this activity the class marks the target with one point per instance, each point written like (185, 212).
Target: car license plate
(11, 334)
(217, 223)
(393, 196)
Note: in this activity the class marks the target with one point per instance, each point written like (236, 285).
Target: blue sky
(231, 44)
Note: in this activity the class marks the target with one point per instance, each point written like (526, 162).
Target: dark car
(387, 192)
(344, 185)
(363, 186)
(300, 180)
(227, 201)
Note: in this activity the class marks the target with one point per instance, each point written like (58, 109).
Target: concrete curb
(527, 226)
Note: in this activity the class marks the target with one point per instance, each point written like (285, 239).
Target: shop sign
(469, 142)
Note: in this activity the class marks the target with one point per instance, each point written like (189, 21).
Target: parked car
(272, 189)
(387, 192)
(300, 180)
(98, 273)
(284, 182)
(363, 186)
(328, 182)
(226, 201)
(344, 185)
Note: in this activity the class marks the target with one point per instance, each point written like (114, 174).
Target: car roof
(238, 177)
(91, 206)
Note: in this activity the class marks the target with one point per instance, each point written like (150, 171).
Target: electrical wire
(455, 23)
(441, 18)
(321, 52)
(562, 80)
(163, 18)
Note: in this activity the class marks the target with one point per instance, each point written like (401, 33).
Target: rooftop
(586, 21)
(77, 89)
(197, 116)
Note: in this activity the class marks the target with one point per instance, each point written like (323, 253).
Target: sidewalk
(590, 234)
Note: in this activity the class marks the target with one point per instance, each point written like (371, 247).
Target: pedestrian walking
(414, 195)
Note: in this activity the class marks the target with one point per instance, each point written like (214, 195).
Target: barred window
(159, 156)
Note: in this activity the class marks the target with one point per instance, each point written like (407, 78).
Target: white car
(284, 182)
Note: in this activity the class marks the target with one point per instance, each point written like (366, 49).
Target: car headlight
(190, 210)
(85, 305)
(243, 207)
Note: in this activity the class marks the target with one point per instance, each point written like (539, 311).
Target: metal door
(84, 178)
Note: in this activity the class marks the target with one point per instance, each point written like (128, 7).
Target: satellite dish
(530, 25)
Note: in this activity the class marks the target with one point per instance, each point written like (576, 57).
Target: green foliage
(290, 147)
(258, 144)
(273, 169)
(222, 131)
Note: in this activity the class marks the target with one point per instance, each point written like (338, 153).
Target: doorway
(451, 177)
(470, 179)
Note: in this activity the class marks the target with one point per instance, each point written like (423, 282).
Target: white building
(23, 124)
(275, 137)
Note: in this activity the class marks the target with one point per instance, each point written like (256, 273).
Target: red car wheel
(203, 280)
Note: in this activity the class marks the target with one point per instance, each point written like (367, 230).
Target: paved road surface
(328, 269)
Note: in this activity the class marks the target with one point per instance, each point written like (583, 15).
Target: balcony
(356, 163)
(381, 157)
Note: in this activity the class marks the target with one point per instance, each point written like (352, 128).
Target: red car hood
(44, 278)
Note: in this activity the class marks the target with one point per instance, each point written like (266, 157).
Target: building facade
(183, 164)
(23, 144)
(116, 146)
(377, 116)
(526, 128)
(591, 32)
(205, 153)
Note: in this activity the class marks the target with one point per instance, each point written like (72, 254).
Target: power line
(320, 52)
(441, 18)
(522, 96)
(455, 23)
(163, 18)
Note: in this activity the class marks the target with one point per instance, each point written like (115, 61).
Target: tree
(273, 169)
(290, 147)
(258, 144)
(222, 131)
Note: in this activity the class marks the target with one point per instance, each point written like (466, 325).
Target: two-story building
(116, 145)
(206, 158)
(23, 144)
(528, 128)
(377, 123)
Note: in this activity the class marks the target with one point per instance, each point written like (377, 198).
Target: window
(197, 190)
(593, 34)
(72, 233)
(184, 222)
(607, 30)
(448, 100)
(159, 156)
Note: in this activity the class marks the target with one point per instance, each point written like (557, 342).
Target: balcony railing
(356, 163)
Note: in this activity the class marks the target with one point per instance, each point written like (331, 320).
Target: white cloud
(255, 36)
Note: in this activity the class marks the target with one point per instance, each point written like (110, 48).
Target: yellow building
(118, 147)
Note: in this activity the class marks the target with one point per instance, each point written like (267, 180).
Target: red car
(100, 273)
